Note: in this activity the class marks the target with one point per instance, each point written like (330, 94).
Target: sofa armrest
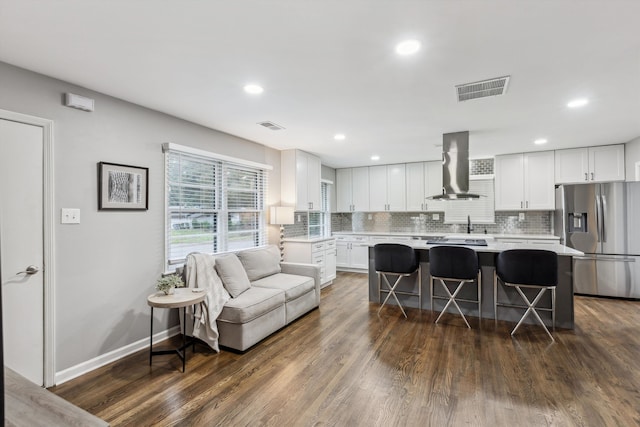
(300, 269)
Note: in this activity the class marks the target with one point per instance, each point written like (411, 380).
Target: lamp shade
(281, 215)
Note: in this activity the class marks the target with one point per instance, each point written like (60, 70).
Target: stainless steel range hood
(455, 168)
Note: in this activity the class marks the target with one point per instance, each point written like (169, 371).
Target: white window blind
(481, 211)
(212, 205)
(319, 222)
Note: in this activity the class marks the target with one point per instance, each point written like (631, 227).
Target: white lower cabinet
(322, 253)
(352, 252)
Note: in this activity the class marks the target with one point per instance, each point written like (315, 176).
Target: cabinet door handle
(591, 176)
(521, 204)
(586, 177)
(527, 204)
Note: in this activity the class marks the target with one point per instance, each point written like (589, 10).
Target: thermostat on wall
(80, 102)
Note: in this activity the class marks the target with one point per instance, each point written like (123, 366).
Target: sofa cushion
(232, 273)
(260, 262)
(293, 286)
(251, 304)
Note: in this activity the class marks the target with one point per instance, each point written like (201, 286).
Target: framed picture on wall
(122, 187)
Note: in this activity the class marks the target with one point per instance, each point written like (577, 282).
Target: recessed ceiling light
(375, 158)
(576, 103)
(540, 141)
(339, 137)
(253, 89)
(408, 47)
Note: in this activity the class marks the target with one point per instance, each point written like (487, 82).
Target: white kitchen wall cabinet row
(525, 181)
(591, 164)
(300, 180)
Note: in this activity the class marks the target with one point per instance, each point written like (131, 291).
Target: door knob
(32, 269)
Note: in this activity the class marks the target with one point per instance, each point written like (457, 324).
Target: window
(320, 222)
(214, 204)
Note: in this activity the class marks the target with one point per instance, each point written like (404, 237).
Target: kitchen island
(486, 256)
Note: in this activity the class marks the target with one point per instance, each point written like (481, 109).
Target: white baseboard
(112, 356)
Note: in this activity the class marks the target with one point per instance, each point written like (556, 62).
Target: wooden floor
(343, 365)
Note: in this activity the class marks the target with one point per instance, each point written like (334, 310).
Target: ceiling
(330, 67)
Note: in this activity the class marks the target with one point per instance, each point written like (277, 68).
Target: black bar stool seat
(394, 259)
(455, 264)
(527, 268)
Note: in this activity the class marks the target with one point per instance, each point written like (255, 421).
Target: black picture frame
(122, 187)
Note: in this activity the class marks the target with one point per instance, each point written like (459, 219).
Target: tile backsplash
(413, 222)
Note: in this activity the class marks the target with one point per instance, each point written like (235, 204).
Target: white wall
(107, 265)
(632, 156)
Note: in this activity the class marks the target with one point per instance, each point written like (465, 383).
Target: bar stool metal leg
(391, 292)
(531, 309)
(452, 299)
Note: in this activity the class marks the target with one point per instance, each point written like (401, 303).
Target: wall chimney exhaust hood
(455, 168)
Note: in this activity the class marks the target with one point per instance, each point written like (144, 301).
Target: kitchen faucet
(469, 226)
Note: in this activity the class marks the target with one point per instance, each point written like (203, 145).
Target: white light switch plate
(70, 216)
(521, 216)
(436, 217)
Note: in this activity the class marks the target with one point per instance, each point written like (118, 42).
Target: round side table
(181, 298)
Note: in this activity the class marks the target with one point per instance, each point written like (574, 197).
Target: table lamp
(282, 215)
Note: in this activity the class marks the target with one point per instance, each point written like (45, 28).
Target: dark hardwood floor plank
(343, 364)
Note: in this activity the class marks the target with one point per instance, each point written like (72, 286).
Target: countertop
(307, 240)
(496, 247)
(440, 234)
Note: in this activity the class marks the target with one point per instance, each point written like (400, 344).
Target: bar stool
(455, 264)
(393, 259)
(527, 268)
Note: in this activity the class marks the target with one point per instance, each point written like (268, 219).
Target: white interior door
(21, 240)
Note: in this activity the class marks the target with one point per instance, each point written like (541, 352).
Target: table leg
(151, 338)
(193, 340)
(184, 338)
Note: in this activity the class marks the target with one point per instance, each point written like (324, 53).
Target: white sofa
(266, 294)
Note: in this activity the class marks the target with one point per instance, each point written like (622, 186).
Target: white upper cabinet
(433, 185)
(300, 180)
(424, 179)
(525, 181)
(416, 187)
(539, 188)
(352, 189)
(387, 188)
(593, 164)
(344, 190)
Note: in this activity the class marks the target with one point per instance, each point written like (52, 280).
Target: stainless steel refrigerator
(603, 221)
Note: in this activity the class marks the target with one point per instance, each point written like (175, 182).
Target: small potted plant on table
(167, 283)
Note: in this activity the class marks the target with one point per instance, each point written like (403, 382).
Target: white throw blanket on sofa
(201, 273)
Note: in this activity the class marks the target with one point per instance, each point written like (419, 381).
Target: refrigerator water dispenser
(577, 222)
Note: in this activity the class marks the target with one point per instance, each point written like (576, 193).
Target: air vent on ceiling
(482, 89)
(271, 125)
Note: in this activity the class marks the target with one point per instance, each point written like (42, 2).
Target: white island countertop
(496, 247)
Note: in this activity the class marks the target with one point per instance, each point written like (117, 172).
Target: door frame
(48, 214)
